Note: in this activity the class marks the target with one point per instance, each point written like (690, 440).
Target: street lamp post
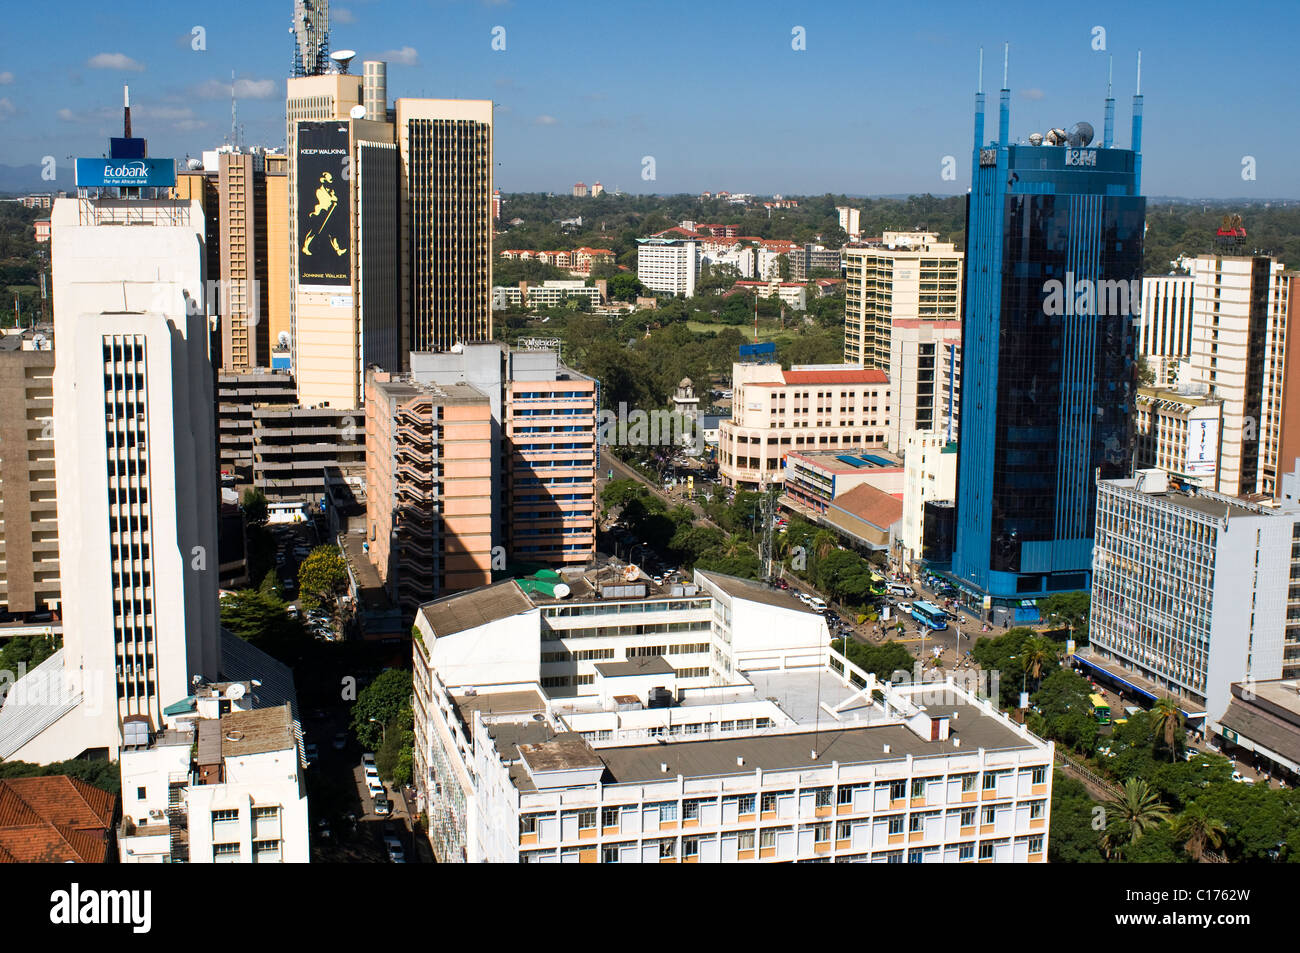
(383, 730)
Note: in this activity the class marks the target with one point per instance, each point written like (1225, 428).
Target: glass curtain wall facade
(1053, 282)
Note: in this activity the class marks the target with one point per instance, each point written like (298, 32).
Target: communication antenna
(234, 114)
(1080, 135)
(343, 59)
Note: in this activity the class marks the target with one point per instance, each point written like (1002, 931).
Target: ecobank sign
(116, 173)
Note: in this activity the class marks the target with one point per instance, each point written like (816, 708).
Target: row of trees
(1169, 809)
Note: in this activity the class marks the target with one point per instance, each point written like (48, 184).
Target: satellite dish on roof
(235, 691)
(1080, 135)
(1055, 137)
(194, 164)
(283, 339)
(358, 112)
(1035, 138)
(343, 58)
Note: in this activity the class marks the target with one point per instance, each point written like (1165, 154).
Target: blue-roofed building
(1053, 282)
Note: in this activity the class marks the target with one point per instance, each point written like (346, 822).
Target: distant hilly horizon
(18, 180)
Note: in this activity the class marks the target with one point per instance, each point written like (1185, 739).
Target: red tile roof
(857, 375)
(871, 505)
(54, 820)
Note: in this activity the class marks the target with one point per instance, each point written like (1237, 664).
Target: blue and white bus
(929, 615)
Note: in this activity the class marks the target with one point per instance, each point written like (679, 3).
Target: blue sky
(712, 90)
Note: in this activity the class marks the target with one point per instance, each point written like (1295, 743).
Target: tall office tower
(925, 374)
(1165, 332)
(1239, 354)
(241, 188)
(1192, 592)
(429, 465)
(276, 292)
(909, 276)
(668, 265)
(29, 530)
(137, 500)
(446, 149)
(344, 306)
(1053, 271)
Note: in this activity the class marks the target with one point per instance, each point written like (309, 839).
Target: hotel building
(610, 722)
(809, 407)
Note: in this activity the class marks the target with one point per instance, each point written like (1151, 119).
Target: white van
(817, 603)
(898, 589)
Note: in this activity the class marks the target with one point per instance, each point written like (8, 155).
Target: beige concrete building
(929, 475)
(925, 371)
(446, 215)
(812, 407)
(1179, 433)
(1238, 353)
(429, 462)
(241, 191)
(29, 531)
(909, 275)
(1165, 331)
(343, 231)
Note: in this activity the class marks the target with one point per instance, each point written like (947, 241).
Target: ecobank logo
(77, 907)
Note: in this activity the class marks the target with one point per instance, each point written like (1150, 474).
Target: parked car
(340, 741)
(375, 785)
(395, 855)
(368, 758)
(383, 806)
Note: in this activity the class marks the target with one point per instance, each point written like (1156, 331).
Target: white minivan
(898, 589)
(817, 603)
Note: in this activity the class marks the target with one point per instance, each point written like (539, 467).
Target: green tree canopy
(322, 577)
(383, 700)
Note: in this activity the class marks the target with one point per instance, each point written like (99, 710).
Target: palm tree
(823, 542)
(1197, 830)
(1036, 654)
(1167, 722)
(1135, 811)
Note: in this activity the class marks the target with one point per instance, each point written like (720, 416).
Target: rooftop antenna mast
(234, 114)
(311, 31)
(1108, 130)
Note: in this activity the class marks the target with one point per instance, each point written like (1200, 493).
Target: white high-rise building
(1191, 593)
(136, 481)
(1165, 332)
(668, 265)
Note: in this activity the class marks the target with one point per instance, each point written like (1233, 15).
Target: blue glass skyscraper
(1053, 270)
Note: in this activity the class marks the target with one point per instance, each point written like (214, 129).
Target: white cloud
(6, 78)
(244, 89)
(1033, 93)
(114, 61)
(7, 108)
(406, 56)
(343, 15)
(545, 121)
